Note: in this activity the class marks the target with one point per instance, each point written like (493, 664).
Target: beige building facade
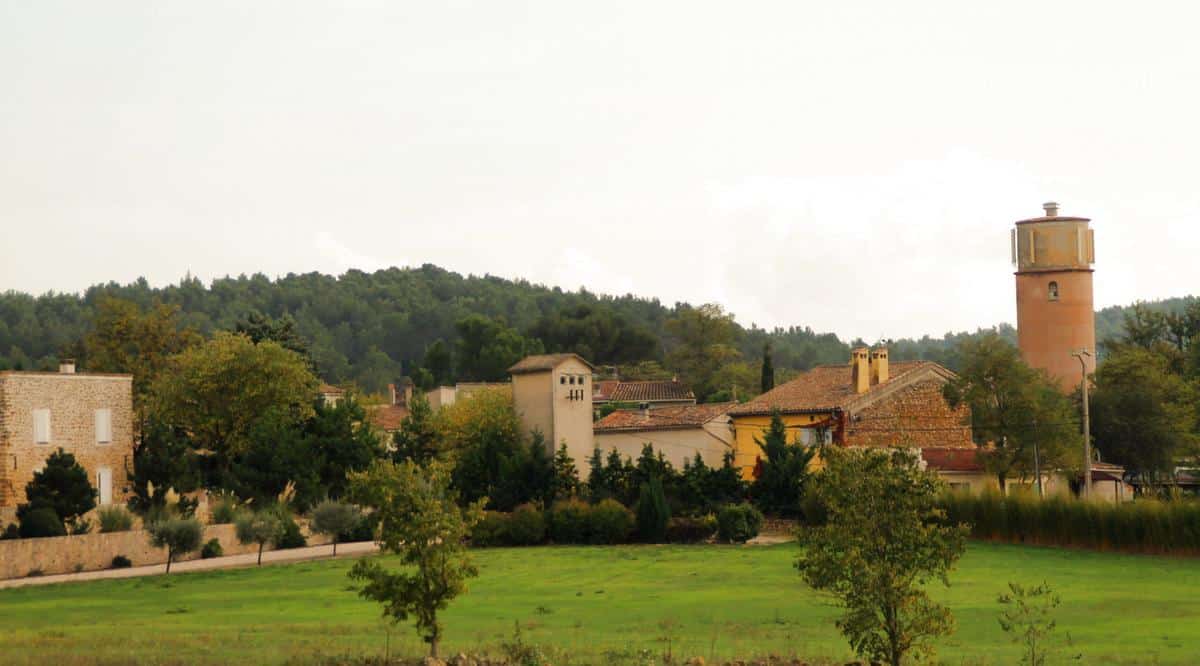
(678, 432)
(87, 415)
(552, 394)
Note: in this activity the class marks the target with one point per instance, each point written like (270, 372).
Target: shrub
(568, 521)
(652, 512)
(609, 522)
(290, 537)
(11, 532)
(115, 518)
(526, 526)
(691, 530)
(121, 562)
(1144, 525)
(491, 530)
(738, 523)
(79, 526)
(41, 522)
(363, 530)
(212, 548)
(224, 510)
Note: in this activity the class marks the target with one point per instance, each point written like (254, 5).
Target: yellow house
(869, 402)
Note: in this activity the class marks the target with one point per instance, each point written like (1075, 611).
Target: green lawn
(597, 603)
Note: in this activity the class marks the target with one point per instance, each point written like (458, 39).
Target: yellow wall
(747, 428)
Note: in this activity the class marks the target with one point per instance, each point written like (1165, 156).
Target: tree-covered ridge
(369, 328)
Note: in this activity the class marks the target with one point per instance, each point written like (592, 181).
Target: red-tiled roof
(662, 418)
(945, 459)
(387, 417)
(604, 388)
(651, 391)
(330, 389)
(544, 362)
(824, 388)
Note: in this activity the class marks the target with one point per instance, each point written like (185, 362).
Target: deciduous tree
(885, 538)
(421, 521)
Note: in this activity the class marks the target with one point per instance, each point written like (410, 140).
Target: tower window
(1052, 291)
(562, 379)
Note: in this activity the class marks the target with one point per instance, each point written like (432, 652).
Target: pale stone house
(552, 394)
(87, 415)
(679, 432)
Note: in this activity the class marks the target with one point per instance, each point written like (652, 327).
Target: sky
(851, 166)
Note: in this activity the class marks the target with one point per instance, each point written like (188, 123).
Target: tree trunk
(260, 547)
(169, 555)
(335, 546)
(433, 646)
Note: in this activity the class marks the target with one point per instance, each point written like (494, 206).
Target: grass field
(600, 604)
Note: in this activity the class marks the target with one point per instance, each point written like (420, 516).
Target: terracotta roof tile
(950, 459)
(387, 417)
(662, 418)
(824, 388)
(544, 362)
(650, 391)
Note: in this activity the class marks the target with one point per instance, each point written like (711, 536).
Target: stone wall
(72, 400)
(91, 552)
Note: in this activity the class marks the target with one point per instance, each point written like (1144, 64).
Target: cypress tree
(768, 369)
(652, 512)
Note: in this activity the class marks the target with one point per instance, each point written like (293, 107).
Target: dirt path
(230, 562)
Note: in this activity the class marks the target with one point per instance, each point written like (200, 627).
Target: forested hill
(372, 327)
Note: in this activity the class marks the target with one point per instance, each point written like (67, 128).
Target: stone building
(869, 402)
(87, 415)
(1053, 255)
(552, 394)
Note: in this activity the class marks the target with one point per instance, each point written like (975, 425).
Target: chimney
(67, 366)
(1051, 208)
(879, 365)
(860, 370)
(408, 391)
(392, 393)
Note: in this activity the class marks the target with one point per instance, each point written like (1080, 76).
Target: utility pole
(1087, 428)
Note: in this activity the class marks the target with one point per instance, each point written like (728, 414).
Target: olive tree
(421, 521)
(885, 537)
(260, 527)
(335, 518)
(177, 535)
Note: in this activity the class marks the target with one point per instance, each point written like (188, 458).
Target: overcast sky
(854, 167)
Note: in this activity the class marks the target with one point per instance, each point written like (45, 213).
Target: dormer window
(1052, 291)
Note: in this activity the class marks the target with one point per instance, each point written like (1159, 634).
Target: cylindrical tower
(1055, 316)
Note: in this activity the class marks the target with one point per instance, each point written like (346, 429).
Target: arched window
(1052, 291)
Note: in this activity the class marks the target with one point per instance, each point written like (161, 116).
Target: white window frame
(103, 426)
(41, 417)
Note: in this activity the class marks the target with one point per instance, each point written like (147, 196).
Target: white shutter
(104, 426)
(104, 483)
(41, 426)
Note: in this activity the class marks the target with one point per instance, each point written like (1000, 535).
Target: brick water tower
(1055, 316)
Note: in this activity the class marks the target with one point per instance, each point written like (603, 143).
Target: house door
(104, 483)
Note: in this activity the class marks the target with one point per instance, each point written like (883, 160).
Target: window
(572, 380)
(104, 426)
(962, 486)
(41, 426)
(1052, 291)
(562, 379)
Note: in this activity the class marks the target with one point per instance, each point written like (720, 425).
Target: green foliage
(62, 486)
(683, 529)
(114, 519)
(41, 522)
(784, 471)
(738, 523)
(566, 478)
(608, 522)
(652, 512)
(595, 332)
(567, 521)
(1144, 415)
(217, 391)
(418, 438)
(884, 540)
(422, 522)
(260, 527)
(163, 459)
(125, 338)
(334, 518)
(177, 535)
(1028, 617)
(260, 328)
(482, 434)
(212, 548)
(703, 340)
(487, 348)
(768, 369)
(526, 526)
(439, 363)
(12, 532)
(1012, 409)
(1144, 525)
(290, 536)
(224, 509)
